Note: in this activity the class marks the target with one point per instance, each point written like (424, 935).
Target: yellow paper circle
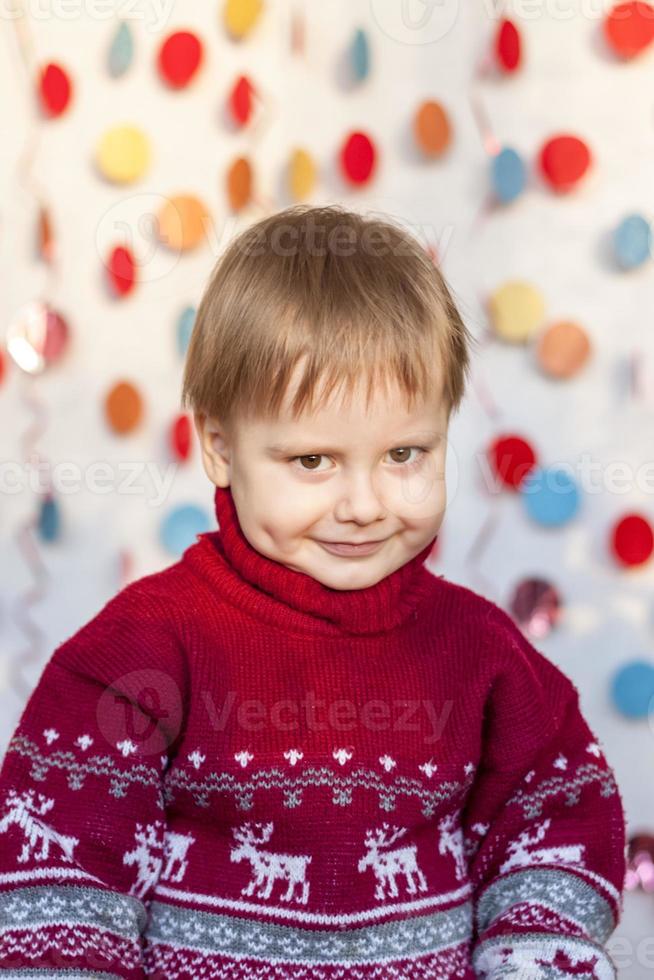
(301, 174)
(123, 154)
(183, 222)
(517, 311)
(241, 16)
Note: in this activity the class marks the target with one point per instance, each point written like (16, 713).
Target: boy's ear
(214, 448)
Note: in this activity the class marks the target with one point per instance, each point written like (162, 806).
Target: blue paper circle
(121, 52)
(181, 526)
(550, 495)
(508, 174)
(49, 522)
(632, 241)
(632, 689)
(185, 329)
(360, 56)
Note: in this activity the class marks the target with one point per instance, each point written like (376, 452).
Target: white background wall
(569, 83)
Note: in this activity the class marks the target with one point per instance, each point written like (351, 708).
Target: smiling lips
(342, 548)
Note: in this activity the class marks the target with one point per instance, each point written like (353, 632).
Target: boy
(296, 752)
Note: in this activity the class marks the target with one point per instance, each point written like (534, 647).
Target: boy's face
(340, 475)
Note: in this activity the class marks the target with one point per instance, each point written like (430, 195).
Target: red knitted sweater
(235, 771)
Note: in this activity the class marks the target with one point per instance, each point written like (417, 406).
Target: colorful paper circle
(240, 100)
(563, 161)
(240, 16)
(632, 688)
(508, 47)
(550, 496)
(360, 55)
(563, 349)
(517, 310)
(432, 128)
(37, 336)
(55, 89)
(629, 28)
(180, 56)
(358, 158)
(121, 271)
(301, 175)
(180, 437)
(123, 407)
(239, 184)
(632, 540)
(512, 458)
(185, 326)
(508, 174)
(121, 51)
(183, 222)
(181, 527)
(123, 154)
(632, 241)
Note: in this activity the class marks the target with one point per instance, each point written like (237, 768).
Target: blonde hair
(356, 296)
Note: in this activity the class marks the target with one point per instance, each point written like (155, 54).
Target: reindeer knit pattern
(234, 771)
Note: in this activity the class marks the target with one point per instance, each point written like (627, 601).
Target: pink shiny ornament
(36, 337)
(535, 606)
(640, 863)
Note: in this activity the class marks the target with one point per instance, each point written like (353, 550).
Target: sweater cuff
(526, 956)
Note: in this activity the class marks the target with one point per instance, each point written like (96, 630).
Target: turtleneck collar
(295, 600)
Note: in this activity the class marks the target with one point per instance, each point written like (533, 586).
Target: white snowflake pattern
(560, 762)
(429, 768)
(342, 755)
(126, 747)
(243, 757)
(50, 735)
(594, 749)
(84, 742)
(196, 758)
(387, 762)
(468, 768)
(293, 755)
(530, 775)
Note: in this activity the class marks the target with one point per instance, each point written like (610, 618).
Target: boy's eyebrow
(290, 449)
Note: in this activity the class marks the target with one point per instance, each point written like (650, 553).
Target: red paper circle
(633, 540)
(240, 101)
(507, 46)
(55, 89)
(629, 28)
(563, 161)
(179, 58)
(121, 269)
(180, 437)
(358, 158)
(512, 458)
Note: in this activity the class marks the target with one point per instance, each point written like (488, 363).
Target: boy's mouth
(344, 548)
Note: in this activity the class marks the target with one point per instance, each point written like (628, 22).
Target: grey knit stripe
(239, 936)
(29, 974)
(29, 908)
(562, 891)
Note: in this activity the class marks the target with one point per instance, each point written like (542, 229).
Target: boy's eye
(314, 459)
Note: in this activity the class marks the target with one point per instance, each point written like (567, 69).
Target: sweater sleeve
(82, 817)
(543, 826)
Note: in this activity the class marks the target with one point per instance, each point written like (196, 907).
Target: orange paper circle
(183, 222)
(432, 128)
(239, 184)
(563, 349)
(123, 407)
